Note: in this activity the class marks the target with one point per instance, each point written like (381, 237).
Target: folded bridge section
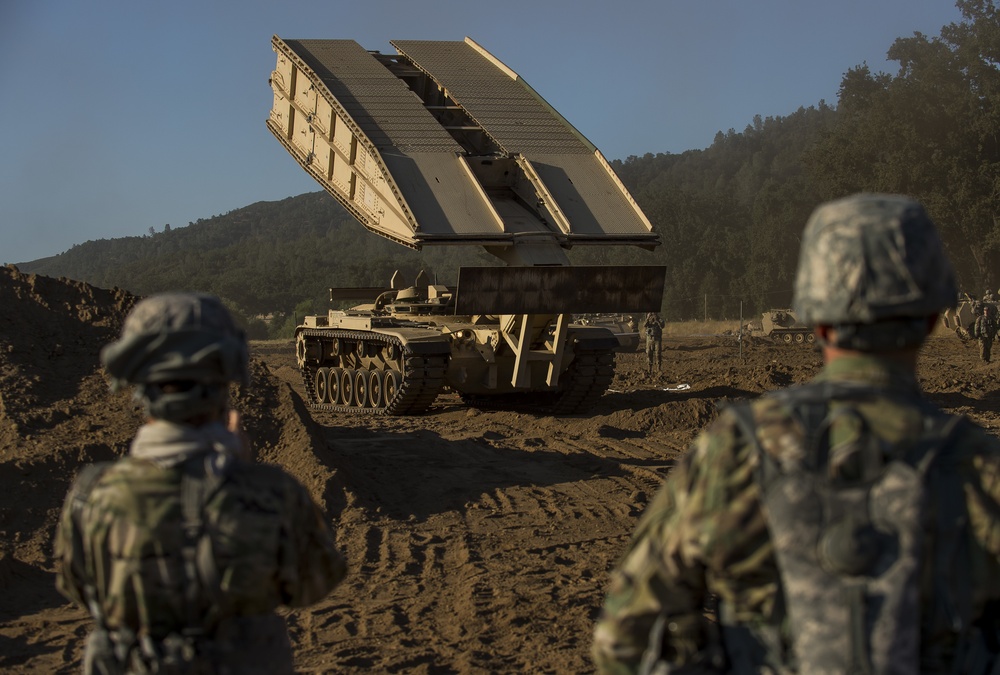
(443, 144)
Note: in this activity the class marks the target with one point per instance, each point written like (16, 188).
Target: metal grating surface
(510, 112)
(381, 104)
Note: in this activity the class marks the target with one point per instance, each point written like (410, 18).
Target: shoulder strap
(810, 410)
(85, 481)
(201, 477)
(79, 493)
(952, 604)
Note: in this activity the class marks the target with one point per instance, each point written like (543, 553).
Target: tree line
(729, 216)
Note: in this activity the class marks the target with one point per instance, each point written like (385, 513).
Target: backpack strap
(79, 493)
(951, 608)
(201, 477)
(85, 481)
(107, 651)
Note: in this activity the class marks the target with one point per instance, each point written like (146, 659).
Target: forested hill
(263, 258)
(729, 215)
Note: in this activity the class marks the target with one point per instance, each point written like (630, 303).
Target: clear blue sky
(117, 116)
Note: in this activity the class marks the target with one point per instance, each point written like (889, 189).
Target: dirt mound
(282, 432)
(55, 408)
(51, 331)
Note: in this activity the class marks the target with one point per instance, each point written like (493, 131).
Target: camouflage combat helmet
(873, 266)
(186, 340)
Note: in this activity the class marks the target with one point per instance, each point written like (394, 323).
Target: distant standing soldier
(653, 327)
(985, 330)
(182, 550)
(846, 525)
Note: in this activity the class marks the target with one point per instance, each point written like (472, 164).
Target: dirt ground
(478, 542)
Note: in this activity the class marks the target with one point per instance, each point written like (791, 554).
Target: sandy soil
(477, 541)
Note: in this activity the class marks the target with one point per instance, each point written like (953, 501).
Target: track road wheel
(334, 385)
(347, 386)
(375, 399)
(799, 337)
(810, 338)
(390, 385)
(787, 338)
(320, 385)
(300, 350)
(361, 388)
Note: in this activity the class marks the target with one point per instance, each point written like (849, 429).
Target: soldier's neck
(905, 357)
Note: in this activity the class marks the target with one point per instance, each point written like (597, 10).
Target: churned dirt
(478, 542)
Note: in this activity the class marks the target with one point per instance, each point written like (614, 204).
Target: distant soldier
(985, 330)
(846, 525)
(652, 326)
(182, 550)
(988, 296)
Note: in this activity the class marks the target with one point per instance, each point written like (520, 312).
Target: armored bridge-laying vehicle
(443, 144)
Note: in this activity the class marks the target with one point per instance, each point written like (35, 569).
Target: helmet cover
(178, 336)
(872, 259)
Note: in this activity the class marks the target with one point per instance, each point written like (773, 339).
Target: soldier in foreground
(652, 326)
(843, 526)
(182, 550)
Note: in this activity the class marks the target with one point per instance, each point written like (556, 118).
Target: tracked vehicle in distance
(781, 325)
(442, 144)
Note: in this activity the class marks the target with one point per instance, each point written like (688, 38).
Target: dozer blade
(558, 290)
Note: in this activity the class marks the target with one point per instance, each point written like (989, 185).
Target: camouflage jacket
(984, 328)
(120, 544)
(705, 535)
(653, 327)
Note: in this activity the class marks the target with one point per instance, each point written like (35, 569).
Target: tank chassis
(442, 144)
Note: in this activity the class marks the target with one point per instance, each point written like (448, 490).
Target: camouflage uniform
(985, 329)
(721, 528)
(183, 550)
(653, 327)
(706, 532)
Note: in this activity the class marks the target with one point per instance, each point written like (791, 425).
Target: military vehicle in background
(781, 325)
(441, 144)
(623, 326)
